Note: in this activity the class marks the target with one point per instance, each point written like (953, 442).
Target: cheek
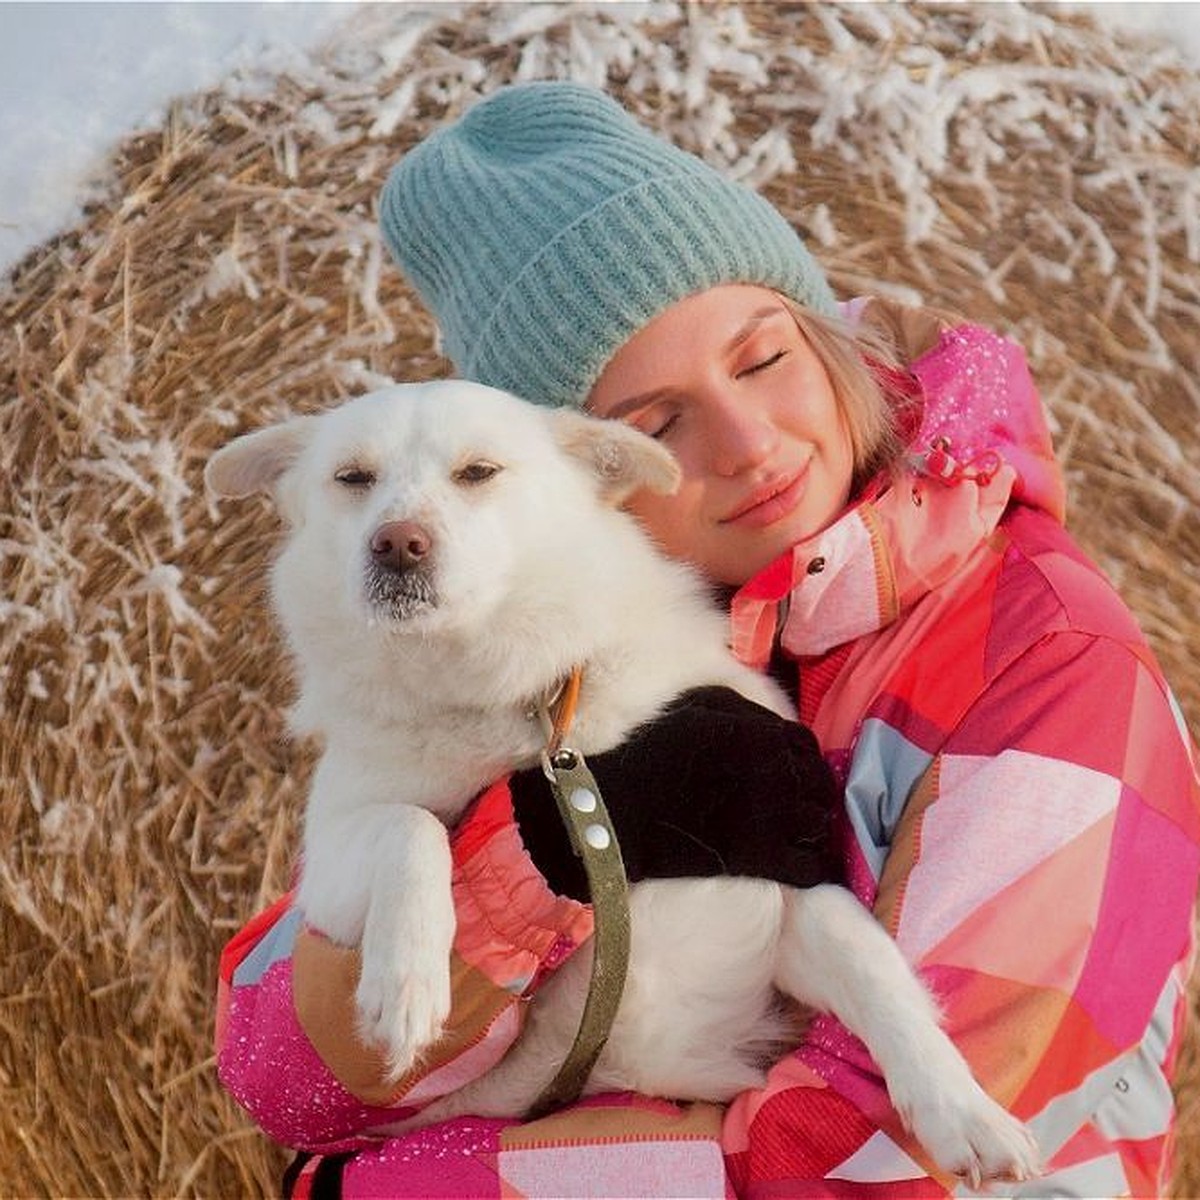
(670, 520)
(844, 460)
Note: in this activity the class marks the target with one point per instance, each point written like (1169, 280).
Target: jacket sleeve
(1042, 878)
(287, 1051)
(286, 1043)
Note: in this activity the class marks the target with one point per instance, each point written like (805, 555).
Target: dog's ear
(255, 461)
(622, 459)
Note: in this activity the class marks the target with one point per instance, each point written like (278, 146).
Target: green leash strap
(595, 841)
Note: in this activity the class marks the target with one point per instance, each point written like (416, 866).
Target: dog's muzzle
(400, 568)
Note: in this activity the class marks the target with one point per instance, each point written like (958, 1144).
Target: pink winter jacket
(1025, 817)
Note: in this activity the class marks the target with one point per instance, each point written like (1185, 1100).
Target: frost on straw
(1012, 163)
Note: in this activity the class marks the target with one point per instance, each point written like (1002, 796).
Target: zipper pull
(938, 463)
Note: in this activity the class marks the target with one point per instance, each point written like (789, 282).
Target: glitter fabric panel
(981, 400)
(454, 1160)
(272, 1070)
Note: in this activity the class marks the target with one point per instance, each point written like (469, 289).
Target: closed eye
(479, 471)
(762, 365)
(660, 431)
(357, 478)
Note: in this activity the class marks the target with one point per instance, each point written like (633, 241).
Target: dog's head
(418, 507)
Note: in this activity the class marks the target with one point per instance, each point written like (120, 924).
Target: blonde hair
(858, 362)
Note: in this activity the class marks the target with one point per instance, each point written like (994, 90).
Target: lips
(773, 500)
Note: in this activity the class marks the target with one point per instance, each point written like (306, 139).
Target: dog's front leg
(836, 957)
(376, 875)
(403, 995)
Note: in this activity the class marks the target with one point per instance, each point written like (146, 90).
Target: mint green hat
(545, 227)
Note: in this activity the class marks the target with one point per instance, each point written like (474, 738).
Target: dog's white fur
(421, 677)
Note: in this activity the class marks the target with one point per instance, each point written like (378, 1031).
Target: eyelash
(664, 428)
(754, 368)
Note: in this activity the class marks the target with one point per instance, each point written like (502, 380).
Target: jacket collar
(868, 567)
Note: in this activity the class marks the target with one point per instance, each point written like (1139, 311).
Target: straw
(1015, 164)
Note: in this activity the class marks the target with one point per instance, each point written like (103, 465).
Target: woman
(876, 492)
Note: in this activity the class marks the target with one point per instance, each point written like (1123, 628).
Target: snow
(76, 78)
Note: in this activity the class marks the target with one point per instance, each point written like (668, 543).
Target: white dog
(453, 553)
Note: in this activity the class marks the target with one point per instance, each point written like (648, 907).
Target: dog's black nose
(401, 545)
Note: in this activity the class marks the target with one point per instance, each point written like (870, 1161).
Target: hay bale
(1013, 163)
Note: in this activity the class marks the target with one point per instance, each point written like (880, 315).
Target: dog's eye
(355, 477)
(479, 471)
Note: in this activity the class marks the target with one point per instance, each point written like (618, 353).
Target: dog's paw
(970, 1136)
(403, 993)
(402, 1011)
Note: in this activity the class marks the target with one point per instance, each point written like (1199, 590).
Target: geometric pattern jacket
(1023, 807)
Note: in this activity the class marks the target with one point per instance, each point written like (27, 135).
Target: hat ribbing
(545, 227)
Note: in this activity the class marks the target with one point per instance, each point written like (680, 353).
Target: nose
(401, 545)
(739, 436)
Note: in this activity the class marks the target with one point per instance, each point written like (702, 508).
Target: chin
(738, 566)
(727, 574)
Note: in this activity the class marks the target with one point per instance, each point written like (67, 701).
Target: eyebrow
(753, 321)
(632, 403)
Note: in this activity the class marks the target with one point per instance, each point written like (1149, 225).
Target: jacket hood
(982, 443)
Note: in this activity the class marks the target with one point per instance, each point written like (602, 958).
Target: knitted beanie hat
(545, 227)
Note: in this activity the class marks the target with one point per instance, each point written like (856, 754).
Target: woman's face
(728, 383)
